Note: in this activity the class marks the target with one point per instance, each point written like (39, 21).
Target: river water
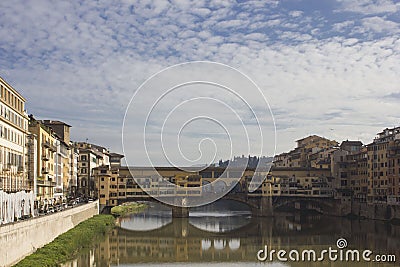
(225, 234)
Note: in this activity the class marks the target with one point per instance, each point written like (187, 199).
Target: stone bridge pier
(180, 212)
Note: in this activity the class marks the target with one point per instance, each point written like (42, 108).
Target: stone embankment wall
(17, 240)
(376, 211)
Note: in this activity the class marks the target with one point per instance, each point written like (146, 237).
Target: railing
(45, 182)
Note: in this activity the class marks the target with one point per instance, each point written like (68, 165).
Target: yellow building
(378, 167)
(310, 182)
(117, 183)
(394, 171)
(315, 141)
(13, 136)
(65, 162)
(312, 151)
(45, 158)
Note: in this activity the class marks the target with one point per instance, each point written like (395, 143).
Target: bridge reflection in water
(228, 239)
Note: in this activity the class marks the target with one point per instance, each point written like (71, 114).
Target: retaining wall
(17, 240)
(376, 211)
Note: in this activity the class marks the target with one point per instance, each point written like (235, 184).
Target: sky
(325, 67)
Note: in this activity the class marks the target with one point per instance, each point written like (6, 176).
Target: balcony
(50, 146)
(46, 144)
(45, 170)
(7, 167)
(41, 182)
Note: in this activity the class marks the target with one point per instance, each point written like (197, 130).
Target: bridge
(261, 206)
(182, 187)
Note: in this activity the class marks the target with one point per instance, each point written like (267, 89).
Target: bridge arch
(304, 203)
(234, 244)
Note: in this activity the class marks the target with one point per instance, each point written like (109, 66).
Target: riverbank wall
(19, 239)
(376, 211)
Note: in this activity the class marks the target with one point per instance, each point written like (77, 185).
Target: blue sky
(326, 67)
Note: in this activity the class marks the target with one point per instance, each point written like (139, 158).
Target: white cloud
(81, 63)
(341, 26)
(378, 24)
(295, 13)
(369, 7)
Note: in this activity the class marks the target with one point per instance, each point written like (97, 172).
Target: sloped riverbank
(67, 245)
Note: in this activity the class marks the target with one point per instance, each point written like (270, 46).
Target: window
(83, 158)
(102, 179)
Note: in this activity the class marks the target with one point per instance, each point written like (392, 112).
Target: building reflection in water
(188, 240)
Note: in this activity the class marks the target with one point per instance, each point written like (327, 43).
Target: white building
(13, 136)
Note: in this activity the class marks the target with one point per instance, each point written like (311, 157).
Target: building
(298, 181)
(350, 171)
(394, 171)
(116, 183)
(46, 170)
(13, 136)
(32, 164)
(73, 181)
(66, 163)
(90, 157)
(303, 171)
(382, 152)
(312, 151)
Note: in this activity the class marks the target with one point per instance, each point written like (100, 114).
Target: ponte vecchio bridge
(117, 185)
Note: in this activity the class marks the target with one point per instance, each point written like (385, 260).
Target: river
(225, 234)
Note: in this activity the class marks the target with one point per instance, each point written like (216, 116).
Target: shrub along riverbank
(67, 245)
(128, 208)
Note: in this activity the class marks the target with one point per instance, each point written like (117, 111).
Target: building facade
(312, 151)
(47, 170)
(13, 137)
(64, 157)
(382, 163)
(90, 157)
